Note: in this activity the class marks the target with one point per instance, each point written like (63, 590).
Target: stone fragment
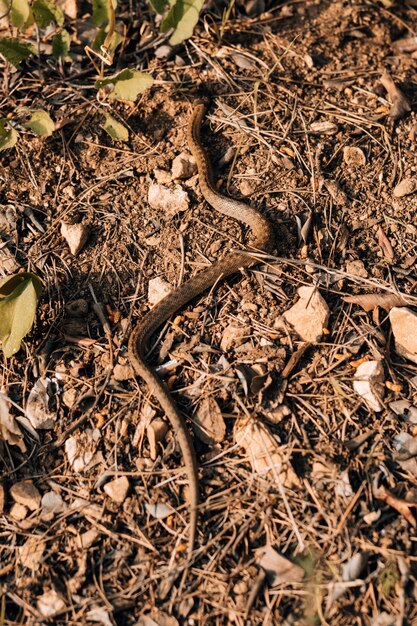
(369, 384)
(183, 166)
(164, 52)
(354, 156)
(404, 327)
(404, 188)
(18, 512)
(69, 397)
(158, 288)
(50, 603)
(156, 432)
(234, 336)
(356, 268)
(86, 539)
(117, 489)
(162, 176)
(25, 492)
(52, 503)
(171, 201)
(324, 128)
(309, 315)
(123, 372)
(246, 188)
(76, 236)
(8, 264)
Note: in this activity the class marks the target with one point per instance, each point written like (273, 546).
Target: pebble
(406, 187)
(50, 603)
(171, 201)
(246, 188)
(76, 236)
(354, 156)
(162, 176)
(158, 288)
(404, 328)
(183, 166)
(164, 52)
(309, 315)
(27, 494)
(117, 489)
(370, 384)
(123, 372)
(324, 128)
(52, 503)
(18, 512)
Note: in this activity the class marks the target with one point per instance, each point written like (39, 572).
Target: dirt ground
(301, 126)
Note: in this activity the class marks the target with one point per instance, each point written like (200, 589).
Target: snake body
(230, 264)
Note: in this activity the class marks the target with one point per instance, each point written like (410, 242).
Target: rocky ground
(297, 379)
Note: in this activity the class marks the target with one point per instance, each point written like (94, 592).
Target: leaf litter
(315, 475)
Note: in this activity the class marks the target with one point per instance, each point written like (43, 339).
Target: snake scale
(231, 263)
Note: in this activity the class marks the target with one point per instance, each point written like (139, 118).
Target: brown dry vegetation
(270, 78)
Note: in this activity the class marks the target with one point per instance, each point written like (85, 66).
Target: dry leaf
(278, 569)
(401, 506)
(9, 430)
(385, 245)
(387, 301)
(399, 103)
(209, 424)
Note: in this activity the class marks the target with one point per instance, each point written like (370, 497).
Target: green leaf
(100, 38)
(115, 129)
(100, 12)
(183, 17)
(159, 5)
(41, 123)
(61, 45)
(21, 13)
(46, 11)
(8, 138)
(127, 84)
(19, 296)
(15, 50)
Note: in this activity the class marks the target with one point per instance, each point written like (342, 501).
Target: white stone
(52, 503)
(117, 489)
(405, 187)
(404, 328)
(50, 603)
(183, 166)
(309, 315)
(369, 384)
(158, 288)
(26, 493)
(76, 236)
(171, 201)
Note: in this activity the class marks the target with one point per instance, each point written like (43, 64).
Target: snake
(231, 263)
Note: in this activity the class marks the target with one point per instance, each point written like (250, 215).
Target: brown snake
(229, 264)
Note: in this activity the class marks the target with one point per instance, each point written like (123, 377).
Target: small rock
(50, 603)
(76, 236)
(234, 336)
(179, 61)
(117, 489)
(8, 264)
(156, 432)
(209, 423)
(406, 187)
(123, 372)
(404, 327)
(158, 288)
(369, 384)
(77, 308)
(356, 268)
(309, 315)
(18, 512)
(26, 493)
(69, 397)
(354, 156)
(324, 128)
(162, 176)
(52, 503)
(164, 52)
(172, 201)
(228, 156)
(246, 188)
(183, 166)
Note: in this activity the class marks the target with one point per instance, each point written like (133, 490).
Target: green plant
(19, 295)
